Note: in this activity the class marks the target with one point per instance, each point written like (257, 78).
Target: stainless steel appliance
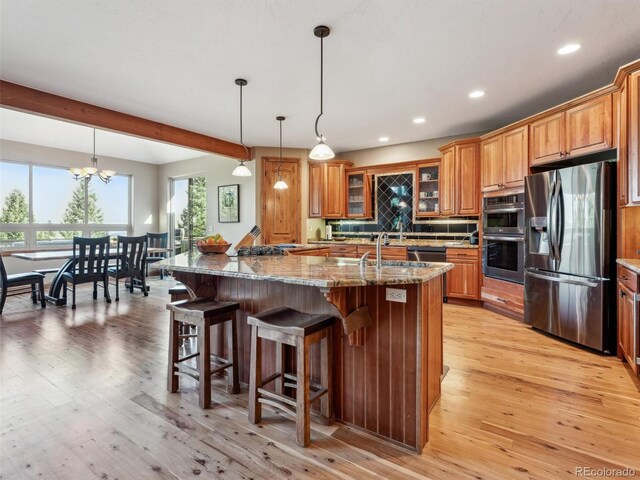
(569, 254)
(430, 254)
(503, 215)
(503, 237)
(503, 257)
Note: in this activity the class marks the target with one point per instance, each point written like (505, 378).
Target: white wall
(402, 152)
(217, 171)
(144, 177)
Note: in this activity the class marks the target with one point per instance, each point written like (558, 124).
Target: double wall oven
(503, 226)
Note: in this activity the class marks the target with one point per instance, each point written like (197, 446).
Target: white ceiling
(385, 61)
(36, 130)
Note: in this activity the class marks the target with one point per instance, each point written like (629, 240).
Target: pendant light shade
(242, 170)
(280, 183)
(87, 173)
(321, 151)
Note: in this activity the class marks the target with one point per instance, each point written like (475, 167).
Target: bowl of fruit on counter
(213, 244)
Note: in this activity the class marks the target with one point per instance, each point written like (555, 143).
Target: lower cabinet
(349, 251)
(464, 280)
(388, 253)
(315, 252)
(505, 297)
(629, 318)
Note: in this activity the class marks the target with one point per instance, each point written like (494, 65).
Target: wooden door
(633, 158)
(588, 127)
(280, 208)
(447, 182)
(626, 339)
(315, 189)
(333, 191)
(515, 156)
(547, 139)
(491, 161)
(468, 185)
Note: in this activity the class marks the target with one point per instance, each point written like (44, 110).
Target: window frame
(30, 228)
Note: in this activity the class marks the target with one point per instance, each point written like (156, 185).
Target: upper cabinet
(505, 159)
(428, 190)
(327, 189)
(579, 130)
(358, 194)
(460, 178)
(633, 136)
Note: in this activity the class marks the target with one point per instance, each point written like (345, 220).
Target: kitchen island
(386, 376)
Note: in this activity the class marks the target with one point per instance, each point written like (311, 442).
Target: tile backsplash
(456, 228)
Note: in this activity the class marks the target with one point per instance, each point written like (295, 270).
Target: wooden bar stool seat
(299, 330)
(203, 313)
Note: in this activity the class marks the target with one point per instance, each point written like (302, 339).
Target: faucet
(363, 259)
(379, 250)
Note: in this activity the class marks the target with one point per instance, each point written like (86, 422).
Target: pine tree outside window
(42, 207)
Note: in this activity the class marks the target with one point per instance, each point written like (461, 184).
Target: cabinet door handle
(623, 277)
(622, 294)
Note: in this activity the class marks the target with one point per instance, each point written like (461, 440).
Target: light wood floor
(83, 396)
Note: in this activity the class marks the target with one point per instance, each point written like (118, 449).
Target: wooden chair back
(132, 256)
(91, 259)
(158, 240)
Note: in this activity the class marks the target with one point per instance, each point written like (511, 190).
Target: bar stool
(290, 327)
(203, 314)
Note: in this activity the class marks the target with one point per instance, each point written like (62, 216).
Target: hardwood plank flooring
(83, 395)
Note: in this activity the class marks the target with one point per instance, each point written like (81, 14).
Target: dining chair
(157, 240)
(130, 263)
(90, 264)
(32, 279)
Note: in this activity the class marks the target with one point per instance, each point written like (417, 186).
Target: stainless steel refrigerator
(570, 254)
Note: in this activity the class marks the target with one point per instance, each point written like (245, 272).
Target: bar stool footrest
(278, 405)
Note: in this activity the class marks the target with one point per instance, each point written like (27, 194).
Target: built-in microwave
(503, 215)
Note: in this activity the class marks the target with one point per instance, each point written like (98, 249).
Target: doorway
(188, 212)
(280, 208)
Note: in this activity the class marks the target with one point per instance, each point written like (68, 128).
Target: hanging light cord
(94, 143)
(280, 164)
(241, 142)
(321, 85)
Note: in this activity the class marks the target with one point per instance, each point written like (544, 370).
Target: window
(44, 206)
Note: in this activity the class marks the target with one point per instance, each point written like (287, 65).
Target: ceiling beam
(19, 97)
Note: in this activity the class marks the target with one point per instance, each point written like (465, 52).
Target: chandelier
(87, 173)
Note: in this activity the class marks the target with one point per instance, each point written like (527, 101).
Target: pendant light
(280, 183)
(321, 151)
(87, 173)
(242, 170)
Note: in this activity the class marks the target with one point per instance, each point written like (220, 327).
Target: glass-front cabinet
(427, 193)
(358, 195)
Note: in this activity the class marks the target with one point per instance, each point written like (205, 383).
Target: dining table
(56, 294)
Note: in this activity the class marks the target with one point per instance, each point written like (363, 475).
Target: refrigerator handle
(582, 283)
(559, 226)
(550, 220)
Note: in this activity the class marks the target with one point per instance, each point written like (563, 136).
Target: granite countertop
(631, 263)
(398, 243)
(304, 270)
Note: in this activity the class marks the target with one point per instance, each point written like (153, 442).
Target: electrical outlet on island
(396, 295)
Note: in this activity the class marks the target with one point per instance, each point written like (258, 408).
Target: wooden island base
(387, 385)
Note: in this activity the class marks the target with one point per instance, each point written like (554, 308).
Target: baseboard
(504, 311)
(464, 302)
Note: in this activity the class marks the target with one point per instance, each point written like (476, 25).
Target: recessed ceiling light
(383, 139)
(476, 94)
(419, 120)
(569, 48)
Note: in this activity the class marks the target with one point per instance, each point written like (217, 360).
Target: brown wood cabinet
(633, 148)
(579, 130)
(312, 252)
(349, 251)
(504, 297)
(387, 253)
(505, 159)
(628, 318)
(427, 191)
(464, 280)
(358, 194)
(327, 189)
(460, 178)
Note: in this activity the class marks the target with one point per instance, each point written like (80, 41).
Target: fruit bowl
(215, 248)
